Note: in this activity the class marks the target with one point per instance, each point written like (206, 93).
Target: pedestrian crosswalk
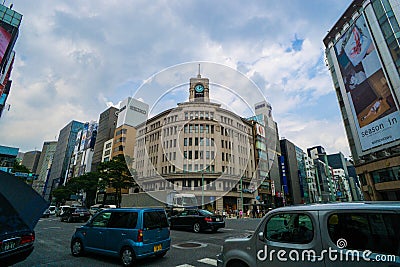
(207, 261)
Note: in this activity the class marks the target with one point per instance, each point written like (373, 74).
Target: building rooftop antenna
(198, 75)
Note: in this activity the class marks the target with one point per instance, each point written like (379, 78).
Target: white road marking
(185, 265)
(209, 261)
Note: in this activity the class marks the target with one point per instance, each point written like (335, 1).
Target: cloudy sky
(76, 58)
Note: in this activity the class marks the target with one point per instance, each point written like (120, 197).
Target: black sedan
(74, 214)
(16, 238)
(197, 220)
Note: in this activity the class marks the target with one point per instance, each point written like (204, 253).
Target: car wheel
(76, 247)
(161, 254)
(127, 256)
(214, 229)
(196, 227)
(69, 219)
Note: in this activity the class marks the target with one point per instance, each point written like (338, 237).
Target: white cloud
(75, 59)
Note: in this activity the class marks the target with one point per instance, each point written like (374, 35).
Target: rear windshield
(155, 219)
(205, 212)
(81, 210)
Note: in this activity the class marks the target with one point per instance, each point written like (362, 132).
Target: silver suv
(337, 234)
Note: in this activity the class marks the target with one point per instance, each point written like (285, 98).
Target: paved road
(53, 238)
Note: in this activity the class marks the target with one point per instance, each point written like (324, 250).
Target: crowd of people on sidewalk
(249, 213)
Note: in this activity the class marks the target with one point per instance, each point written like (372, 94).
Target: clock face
(199, 88)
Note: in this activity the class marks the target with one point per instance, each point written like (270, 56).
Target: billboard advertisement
(83, 137)
(260, 130)
(377, 118)
(5, 38)
(5, 77)
(91, 135)
(77, 142)
(285, 187)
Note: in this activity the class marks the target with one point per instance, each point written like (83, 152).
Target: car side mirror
(261, 236)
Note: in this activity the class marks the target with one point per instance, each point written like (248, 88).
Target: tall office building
(263, 110)
(81, 159)
(31, 160)
(43, 168)
(107, 122)
(363, 56)
(292, 172)
(132, 112)
(65, 147)
(10, 21)
(338, 161)
(8, 156)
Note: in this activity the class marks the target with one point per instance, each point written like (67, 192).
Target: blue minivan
(127, 233)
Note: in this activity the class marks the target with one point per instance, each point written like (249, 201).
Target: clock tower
(199, 89)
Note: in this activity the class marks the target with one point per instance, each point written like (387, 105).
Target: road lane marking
(185, 265)
(208, 261)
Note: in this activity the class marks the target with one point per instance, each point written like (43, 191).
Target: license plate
(8, 245)
(81, 214)
(218, 219)
(157, 247)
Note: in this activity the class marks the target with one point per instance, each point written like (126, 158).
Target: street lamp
(241, 193)
(202, 189)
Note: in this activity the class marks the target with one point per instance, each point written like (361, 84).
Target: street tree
(116, 174)
(61, 194)
(89, 183)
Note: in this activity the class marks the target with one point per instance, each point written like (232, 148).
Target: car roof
(365, 205)
(137, 209)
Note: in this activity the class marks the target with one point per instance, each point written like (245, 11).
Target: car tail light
(140, 236)
(27, 239)
(208, 219)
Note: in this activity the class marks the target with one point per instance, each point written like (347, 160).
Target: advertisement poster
(83, 138)
(91, 135)
(5, 38)
(370, 98)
